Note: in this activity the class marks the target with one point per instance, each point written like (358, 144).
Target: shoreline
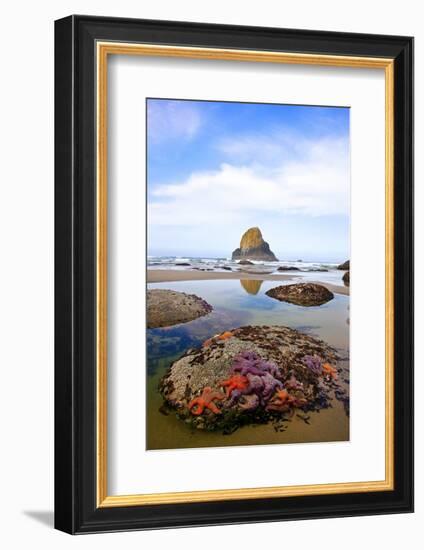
(172, 276)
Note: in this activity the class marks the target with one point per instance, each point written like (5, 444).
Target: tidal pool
(238, 303)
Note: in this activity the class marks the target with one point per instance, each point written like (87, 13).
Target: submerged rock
(245, 262)
(168, 307)
(301, 294)
(250, 374)
(253, 247)
(344, 266)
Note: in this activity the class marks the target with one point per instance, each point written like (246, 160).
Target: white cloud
(310, 177)
(174, 119)
(263, 149)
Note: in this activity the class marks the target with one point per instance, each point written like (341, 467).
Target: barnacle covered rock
(263, 370)
(169, 307)
(301, 294)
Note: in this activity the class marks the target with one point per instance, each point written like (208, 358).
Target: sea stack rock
(253, 247)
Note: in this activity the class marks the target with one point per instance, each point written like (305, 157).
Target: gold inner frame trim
(103, 50)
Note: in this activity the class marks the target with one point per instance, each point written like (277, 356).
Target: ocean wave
(177, 262)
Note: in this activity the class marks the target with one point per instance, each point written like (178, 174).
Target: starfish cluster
(316, 365)
(255, 382)
(249, 362)
(252, 378)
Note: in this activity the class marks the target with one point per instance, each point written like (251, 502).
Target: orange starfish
(207, 342)
(327, 369)
(282, 397)
(206, 400)
(282, 401)
(235, 382)
(224, 336)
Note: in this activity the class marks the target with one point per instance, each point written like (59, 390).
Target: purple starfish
(257, 386)
(314, 363)
(271, 384)
(251, 403)
(248, 362)
(262, 380)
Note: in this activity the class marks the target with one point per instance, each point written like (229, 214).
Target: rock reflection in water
(251, 286)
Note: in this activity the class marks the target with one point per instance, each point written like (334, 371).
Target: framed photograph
(234, 274)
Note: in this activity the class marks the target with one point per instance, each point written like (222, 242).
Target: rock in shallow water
(301, 294)
(168, 307)
(250, 374)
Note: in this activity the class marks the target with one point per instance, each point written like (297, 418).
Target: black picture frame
(76, 510)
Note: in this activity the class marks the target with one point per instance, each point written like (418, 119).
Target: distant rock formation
(253, 247)
(345, 266)
(301, 294)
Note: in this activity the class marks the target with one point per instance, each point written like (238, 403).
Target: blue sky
(216, 168)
